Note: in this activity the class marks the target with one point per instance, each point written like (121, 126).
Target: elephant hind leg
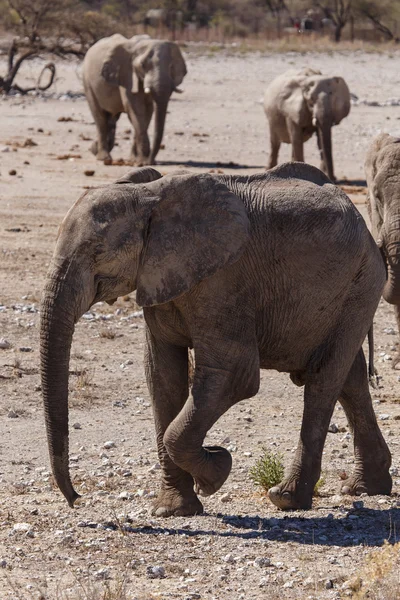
(371, 452)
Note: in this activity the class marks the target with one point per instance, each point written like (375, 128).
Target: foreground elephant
(382, 169)
(133, 76)
(274, 271)
(299, 103)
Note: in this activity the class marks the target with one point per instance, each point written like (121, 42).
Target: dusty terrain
(110, 547)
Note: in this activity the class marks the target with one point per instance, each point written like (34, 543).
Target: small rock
(229, 558)
(358, 504)
(89, 172)
(3, 564)
(12, 172)
(156, 572)
(226, 497)
(329, 584)
(22, 527)
(4, 345)
(125, 496)
(102, 574)
(108, 445)
(77, 426)
(262, 561)
(12, 414)
(333, 428)
(384, 417)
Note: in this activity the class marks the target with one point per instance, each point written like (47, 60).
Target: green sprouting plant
(268, 470)
(321, 482)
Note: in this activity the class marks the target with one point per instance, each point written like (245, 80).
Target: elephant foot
(214, 470)
(289, 495)
(170, 502)
(93, 148)
(373, 486)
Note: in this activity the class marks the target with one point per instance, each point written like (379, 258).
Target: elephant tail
(372, 372)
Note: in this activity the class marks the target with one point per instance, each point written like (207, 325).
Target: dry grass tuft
(379, 579)
(268, 470)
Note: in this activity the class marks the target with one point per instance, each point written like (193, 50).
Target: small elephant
(382, 170)
(299, 103)
(133, 76)
(273, 271)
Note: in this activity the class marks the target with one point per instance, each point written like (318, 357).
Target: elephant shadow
(351, 527)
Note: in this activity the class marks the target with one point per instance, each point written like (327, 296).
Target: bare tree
(338, 11)
(58, 27)
(383, 14)
(276, 8)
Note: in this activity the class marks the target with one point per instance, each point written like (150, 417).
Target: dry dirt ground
(110, 547)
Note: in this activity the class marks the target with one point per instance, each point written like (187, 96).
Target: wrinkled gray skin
(134, 76)
(273, 271)
(382, 170)
(300, 103)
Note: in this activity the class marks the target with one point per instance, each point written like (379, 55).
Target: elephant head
(159, 236)
(142, 65)
(328, 100)
(382, 167)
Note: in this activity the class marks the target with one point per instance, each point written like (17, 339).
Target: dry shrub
(379, 579)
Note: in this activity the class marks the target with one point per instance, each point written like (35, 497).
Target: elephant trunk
(56, 331)
(159, 122)
(325, 142)
(391, 249)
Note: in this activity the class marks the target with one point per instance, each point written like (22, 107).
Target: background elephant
(382, 170)
(133, 76)
(275, 271)
(299, 103)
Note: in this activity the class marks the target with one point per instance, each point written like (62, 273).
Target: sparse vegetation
(268, 470)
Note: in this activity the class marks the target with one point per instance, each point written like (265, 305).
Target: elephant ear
(294, 105)
(118, 70)
(197, 227)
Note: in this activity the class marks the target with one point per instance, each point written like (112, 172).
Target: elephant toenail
(274, 493)
(287, 496)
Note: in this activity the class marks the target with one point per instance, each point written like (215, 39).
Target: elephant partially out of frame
(273, 271)
(382, 170)
(134, 76)
(300, 103)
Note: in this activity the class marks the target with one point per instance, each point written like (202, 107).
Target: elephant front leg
(167, 379)
(214, 391)
(296, 138)
(136, 109)
(296, 491)
(275, 144)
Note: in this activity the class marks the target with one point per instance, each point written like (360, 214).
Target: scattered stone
(4, 344)
(29, 143)
(125, 496)
(333, 428)
(3, 564)
(22, 528)
(329, 584)
(12, 414)
(77, 426)
(102, 574)
(25, 349)
(358, 504)
(262, 561)
(229, 558)
(156, 572)
(89, 172)
(384, 417)
(12, 172)
(108, 445)
(226, 497)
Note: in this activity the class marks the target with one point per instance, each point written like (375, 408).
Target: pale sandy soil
(110, 541)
